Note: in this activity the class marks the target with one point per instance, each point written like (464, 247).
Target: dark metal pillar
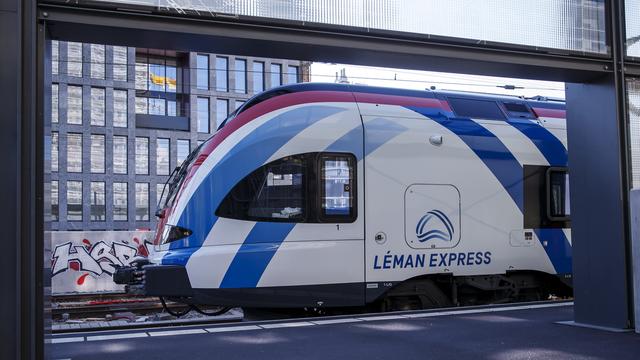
(21, 218)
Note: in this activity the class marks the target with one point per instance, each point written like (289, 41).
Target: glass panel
(142, 202)
(74, 153)
(258, 77)
(120, 201)
(559, 193)
(222, 111)
(171, 79)
(203, 115)
(74, 59)
(55, 56)
(157, 76)
(119, 154)
(275, 191)
(222, 74)
(202, 72)
(141, 105)
(183, 151)
(142, 74)
(336, 192)
(97, 106)
(632, 9)
(633, 94)
(239, 103)
(241, 76)
(55, 210)
(98, 203)
(171, 108)
(54, 103)
(142, 156)
(577, 25)
(157, 106)
(120, 108)
(120, 63)
(97, 154)
(276, 75)
(159, 195)
(74, 200)
(54, 151)
(74, 105)
(162, 156)
(97, 61)
(292, 74)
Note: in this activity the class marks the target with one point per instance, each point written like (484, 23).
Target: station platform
(506, 332)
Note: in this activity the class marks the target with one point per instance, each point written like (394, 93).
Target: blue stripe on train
(550, 146)
(557, 248)
(493, 153)
(246, 156)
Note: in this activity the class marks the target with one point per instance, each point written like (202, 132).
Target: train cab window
(558, 204)
(477, 109)
(275, 192)
(337, 187)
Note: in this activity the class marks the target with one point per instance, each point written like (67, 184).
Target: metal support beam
(234, 37)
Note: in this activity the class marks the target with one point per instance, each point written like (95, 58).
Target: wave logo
(434, 225)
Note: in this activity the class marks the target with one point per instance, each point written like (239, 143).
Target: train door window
(337, 191)
(558, 203)
(274, 192)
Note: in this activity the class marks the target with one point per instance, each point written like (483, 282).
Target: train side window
(337, 188)
(274, 192)
(558, 203)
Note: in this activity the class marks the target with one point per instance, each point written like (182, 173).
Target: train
(336, 195)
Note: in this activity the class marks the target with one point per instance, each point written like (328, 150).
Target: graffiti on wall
(83, 262)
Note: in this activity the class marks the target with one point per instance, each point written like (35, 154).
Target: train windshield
(177, 177)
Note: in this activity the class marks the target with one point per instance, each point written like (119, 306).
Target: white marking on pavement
(117, 336)
(336, 321)
(233, 328)
(383, 317)
(67, 340)
(177, 332)
(286, 325)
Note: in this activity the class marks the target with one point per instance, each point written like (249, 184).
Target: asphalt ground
(513, 332)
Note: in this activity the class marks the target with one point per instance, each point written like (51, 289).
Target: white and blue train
(329, 195)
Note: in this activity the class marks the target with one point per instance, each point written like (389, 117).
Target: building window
(74, 105)
(222, 111)
(54, 103)
(120, 63)
(336, 186)
(142, 156)
(241, 76)
(142, 105)
(156, 74)
(203, 115)
(119, 154)
(97, 61)
(98, 203)
(97, 154)
(202, 72)
(55, 209)
(142, 202)
(258, 77)
(74, 59)
(239, 103)
(183, 151)
(292, 74)
(162, 156)
(157, 106)
(222, 74)
(97, 106)
(54, 151)
(55, 56)
(74, 153)
(276, 75)
(74, 200)
(120, 201)
(159, 195)
(120, 108)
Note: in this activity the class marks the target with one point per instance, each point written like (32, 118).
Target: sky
(420, 80)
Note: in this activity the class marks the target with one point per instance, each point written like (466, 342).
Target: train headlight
(172, 233)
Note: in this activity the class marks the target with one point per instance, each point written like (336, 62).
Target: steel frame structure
(597, 125)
